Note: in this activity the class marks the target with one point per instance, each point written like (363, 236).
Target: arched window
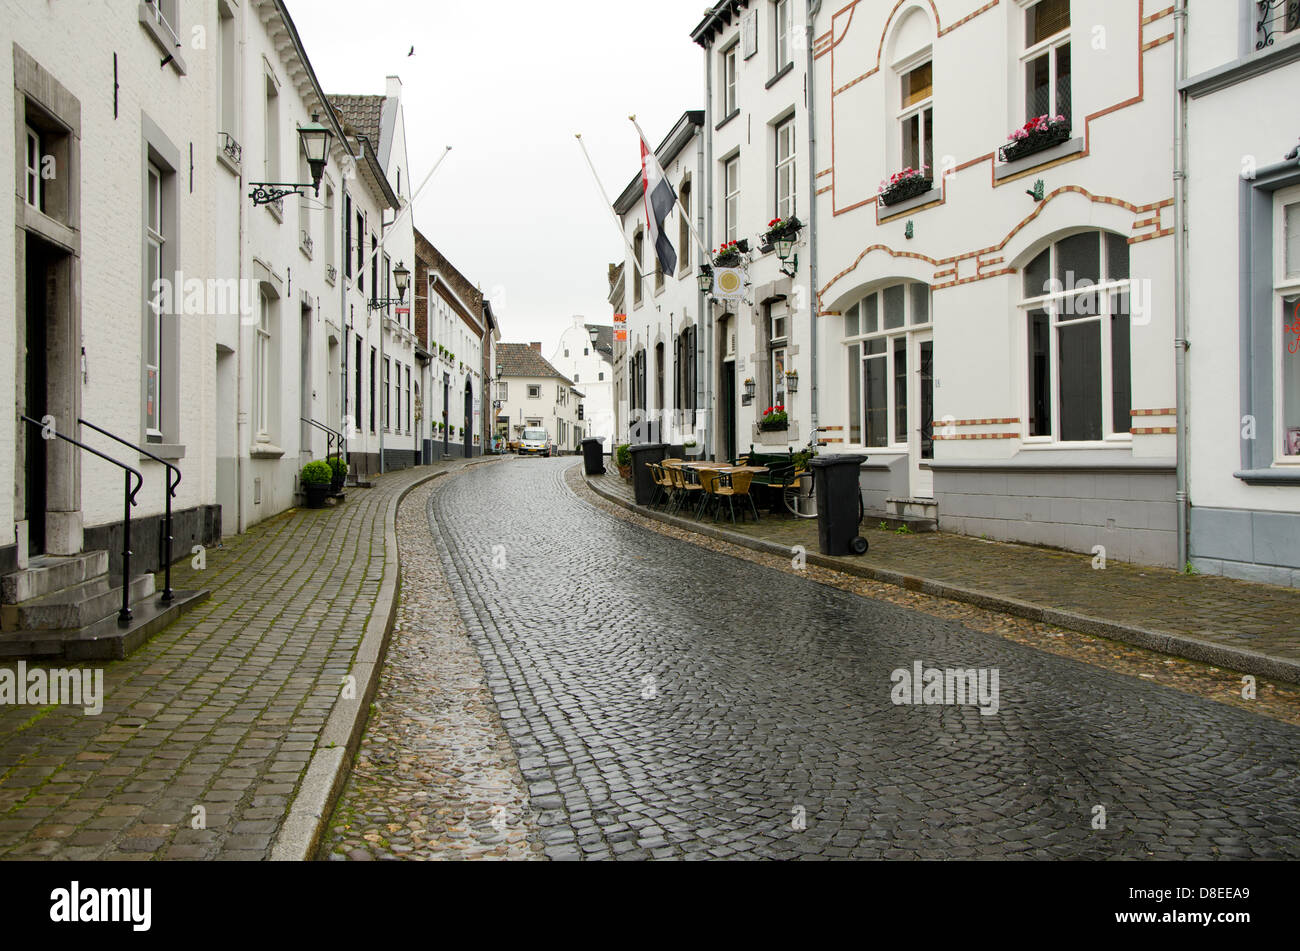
(882, 340)
(1077, 303)
(911, 55)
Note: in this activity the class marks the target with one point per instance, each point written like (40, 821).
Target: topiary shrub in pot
(316, 478)
(339, 469)
(623, 457)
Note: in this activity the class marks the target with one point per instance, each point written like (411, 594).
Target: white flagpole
(608, 204)
(705, 256)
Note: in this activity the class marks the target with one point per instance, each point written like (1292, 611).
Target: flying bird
(412, 53)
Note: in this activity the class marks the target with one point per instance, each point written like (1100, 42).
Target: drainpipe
(1181, 344)
(706, 300)
(239, 333)
(814, 8)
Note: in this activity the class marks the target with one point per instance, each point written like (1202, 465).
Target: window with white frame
(164, 14)
(731, 199)
(155, 302)
(263, 361)
(272, 158)
(783, 27)
(638, 255)
(408, 401)
(534, 391)
(228, 64)
(778, 337)
(916, 117)
(1287, 305)
(1273, 19)
(34, 187)
(730, 59)
(1077, 305)
(1046, 59)
(684, 229)
(877, 336)
(328, 224)
(785, 156)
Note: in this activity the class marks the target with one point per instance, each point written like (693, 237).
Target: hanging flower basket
(1034, 136)
(906, 184)
(729, 255)
(779, 228)
(774, 420)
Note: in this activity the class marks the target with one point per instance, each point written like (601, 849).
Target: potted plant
(906, 184)
(623, 458)
(774, 419)
(316, 478)
(728, 255)
(339, 468)
(1041, 132)
(779, 228)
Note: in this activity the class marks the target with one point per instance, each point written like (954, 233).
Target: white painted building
(1000, 345)
(1243, 288)
(756, 136)
(665, 345)
(591, 367)
(534, 394)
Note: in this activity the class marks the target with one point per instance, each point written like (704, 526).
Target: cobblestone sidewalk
(207, 730)
(435, 776)
(1238, 616)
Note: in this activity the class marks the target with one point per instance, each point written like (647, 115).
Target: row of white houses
(144, 134)
(1090, 338)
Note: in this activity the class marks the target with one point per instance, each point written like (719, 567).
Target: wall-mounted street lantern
(750, 388)
(315, 140)
(705, 279)
(402, 278)
(792, 381)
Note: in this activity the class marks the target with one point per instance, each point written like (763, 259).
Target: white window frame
(32, 169)
(1048, 48)
(155, 242)
(534, 391)
(262, 371)
(1284, 286)
(922, 111)
(911, 328)
(730, 75)
(787, 205)
(165, 17)
(1105, 289)
(782, 28)
(731, 198)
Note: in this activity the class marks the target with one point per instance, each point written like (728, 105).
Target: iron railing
(128, 500)
(168, 596)
(1275, 17)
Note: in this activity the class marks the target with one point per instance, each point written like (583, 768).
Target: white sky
(508, 84)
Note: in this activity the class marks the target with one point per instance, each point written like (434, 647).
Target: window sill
(169, 452)
(1021, 165)
(235, 168)
(1289, 475)
(165, 42)
(780, 75)
(276, 210)
(728, 118)
(264, 450)
(910, 204)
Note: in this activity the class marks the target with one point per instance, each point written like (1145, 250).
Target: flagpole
(609, 204)
(705, 256)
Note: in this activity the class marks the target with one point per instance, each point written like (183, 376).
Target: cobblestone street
(665, 700)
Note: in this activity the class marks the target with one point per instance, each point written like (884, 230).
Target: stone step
(105, 640)
(71, 608)
(893, 521)
(46, 574)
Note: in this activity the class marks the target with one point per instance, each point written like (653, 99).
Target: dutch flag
(659, 201)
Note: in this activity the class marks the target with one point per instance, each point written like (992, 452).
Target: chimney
(536, 346)
(393, 87)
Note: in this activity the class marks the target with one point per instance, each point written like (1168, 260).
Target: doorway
(469, 419)
(921, 443)
(36, 404)
(727, 392)
(304, 384)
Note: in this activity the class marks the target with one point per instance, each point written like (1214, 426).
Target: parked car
(536, 442)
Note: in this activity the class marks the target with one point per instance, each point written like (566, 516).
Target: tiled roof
(519, 359)
(360, 115)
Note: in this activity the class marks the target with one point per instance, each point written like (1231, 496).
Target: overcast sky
(508, 84)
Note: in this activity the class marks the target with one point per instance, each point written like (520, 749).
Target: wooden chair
(662, 484)
(737, 486)
(685, 485)
(710, 480)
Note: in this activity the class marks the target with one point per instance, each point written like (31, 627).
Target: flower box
(729, 255)
(1035, 136)
(908, 183)
(774, 420)
(779, 228)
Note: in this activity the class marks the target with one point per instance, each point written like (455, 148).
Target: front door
(469, 419)
(36, 400)
(728, 396)
(921, 443)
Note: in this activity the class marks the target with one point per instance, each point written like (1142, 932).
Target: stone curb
(327, 772)
(1164, 642)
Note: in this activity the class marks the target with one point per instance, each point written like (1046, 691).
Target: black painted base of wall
(197, 526)
(395, 460)
(8, 559)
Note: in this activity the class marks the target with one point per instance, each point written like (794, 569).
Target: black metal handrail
(167, 596)
(332, 437)
(128, 497)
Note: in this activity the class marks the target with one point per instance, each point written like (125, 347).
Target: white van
(535, 442)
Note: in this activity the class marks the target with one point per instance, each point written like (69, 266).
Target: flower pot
(774, 427)
(336, 486)
(626, 472)
(316, 494)
(1035, 142)
(907, 188)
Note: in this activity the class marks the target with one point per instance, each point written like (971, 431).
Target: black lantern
(705, 280)
(315, 140)
(402, 278)
(594, 334)
(750, 387)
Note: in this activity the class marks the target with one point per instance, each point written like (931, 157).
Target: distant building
(534, 394)
(591, 367)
